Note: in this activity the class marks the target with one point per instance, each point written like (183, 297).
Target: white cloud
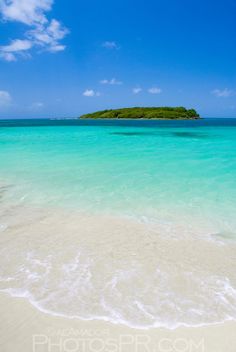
(91, 93)
(56, 48)
(223, 93)
(28, 12)
(42, 33)
(5, 98)
(112, 81)
(49, 36)
(110, 45)
(7, 56)
(17, 45)
(137, 90)
(154, 90)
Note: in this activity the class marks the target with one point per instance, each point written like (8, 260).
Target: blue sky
(64, 58)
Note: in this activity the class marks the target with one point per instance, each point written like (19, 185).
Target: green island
(168, 113)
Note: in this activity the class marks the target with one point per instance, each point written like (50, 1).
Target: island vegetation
(144, 113)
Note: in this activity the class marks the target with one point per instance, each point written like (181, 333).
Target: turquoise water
(131, 222)
(154, 170)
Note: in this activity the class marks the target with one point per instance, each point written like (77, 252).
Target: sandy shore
(26, 329)
(72, 264)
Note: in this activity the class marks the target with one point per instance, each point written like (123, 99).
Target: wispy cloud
(112, 81)
(223, 93)
(137, 90)
(42, 33)
(154, 90)
(110, 45)
(91, 93)
(38, 105)
(17, 46)
(5, 98)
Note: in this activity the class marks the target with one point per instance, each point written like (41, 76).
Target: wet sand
(26, 329)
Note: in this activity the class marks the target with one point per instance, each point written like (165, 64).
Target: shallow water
(128, 221)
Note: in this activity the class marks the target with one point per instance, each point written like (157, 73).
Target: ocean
(131, 222)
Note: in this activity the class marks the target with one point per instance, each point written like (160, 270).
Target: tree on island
(145, 113)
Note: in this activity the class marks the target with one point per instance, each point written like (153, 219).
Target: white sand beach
(126, 274)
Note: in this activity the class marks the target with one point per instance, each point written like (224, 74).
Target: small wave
(115, 318)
